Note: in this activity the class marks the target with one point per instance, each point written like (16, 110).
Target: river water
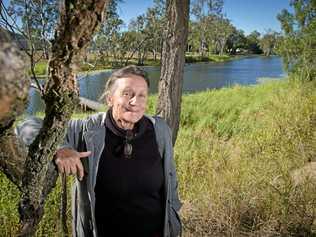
(197, 77)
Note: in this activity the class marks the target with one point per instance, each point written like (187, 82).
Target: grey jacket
(89, 135)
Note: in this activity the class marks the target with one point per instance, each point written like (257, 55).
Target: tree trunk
(222, 45)
(14, 87)
(154, 55)
(37, 175)
(172, 63)
(139, 55)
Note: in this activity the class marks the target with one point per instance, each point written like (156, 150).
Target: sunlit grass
(235, 153)
(194, 58)
(41, 68)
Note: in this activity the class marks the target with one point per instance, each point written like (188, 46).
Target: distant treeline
(140, 41)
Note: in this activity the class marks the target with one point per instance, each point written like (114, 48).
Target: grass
(235, 154)
(194, 58)
(236, 151)
(41, 68)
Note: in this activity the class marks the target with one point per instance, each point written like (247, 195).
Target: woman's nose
(133, 100)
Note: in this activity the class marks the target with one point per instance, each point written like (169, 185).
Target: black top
(129, 189)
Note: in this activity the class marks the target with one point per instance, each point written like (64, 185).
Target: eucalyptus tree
(237, 42)
(203, 12)
(32, 170)
(219, 31)
(172, 63)
(149, 30)
(193, 37)
(268, 42)
(38, 19)
(128, 46)
(253, 42)
(155, 24)
(107, 42)
(298, 44)
(137, 26)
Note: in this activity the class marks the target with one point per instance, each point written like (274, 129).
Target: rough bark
(13, 95)
(172, 63)
(78, 21)
(34, 172)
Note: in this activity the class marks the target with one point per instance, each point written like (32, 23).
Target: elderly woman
(123, 159)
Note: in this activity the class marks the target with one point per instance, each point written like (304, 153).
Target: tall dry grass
(236, 154)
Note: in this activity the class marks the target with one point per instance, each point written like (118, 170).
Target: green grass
(41, 68)
(193, 58)
(235, 153)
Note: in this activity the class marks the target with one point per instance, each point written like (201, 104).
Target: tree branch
(78, 21)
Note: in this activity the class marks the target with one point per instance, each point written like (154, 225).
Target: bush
(298, 44)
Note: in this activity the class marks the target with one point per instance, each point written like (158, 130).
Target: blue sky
(248, 15)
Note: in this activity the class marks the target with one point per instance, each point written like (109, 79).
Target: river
(197, 77)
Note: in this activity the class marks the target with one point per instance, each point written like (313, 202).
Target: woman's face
(128, 99)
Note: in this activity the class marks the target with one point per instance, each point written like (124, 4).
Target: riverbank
(236, 152)
(236, 155)
(97, 66)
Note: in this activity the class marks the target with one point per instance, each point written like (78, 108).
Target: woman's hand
(68, 161)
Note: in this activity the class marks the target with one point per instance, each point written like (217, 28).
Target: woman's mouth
(130, 110)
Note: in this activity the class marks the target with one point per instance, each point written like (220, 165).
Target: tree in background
(193, 39)
(148, 29)
(155, 23)
(107, 42)
(137, 26)
(34, 34)
(38, 21)
(268, 42)
(253, 42)
(221, 30)
(117, 47)
(237, 42)
(205, 12)
(298, 43)
(210, 32)
(172, 63)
